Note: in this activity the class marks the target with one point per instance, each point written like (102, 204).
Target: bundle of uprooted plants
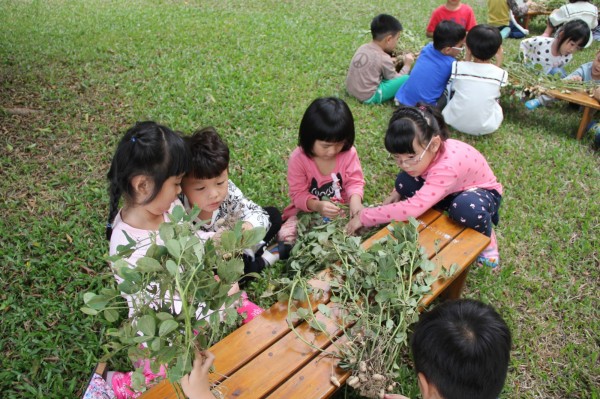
(545, 5)
(175, 302)
(374, 295)
(532, 81)
(408, 43)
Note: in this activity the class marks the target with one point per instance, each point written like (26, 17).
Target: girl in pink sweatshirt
(437, 172)
(324, 166)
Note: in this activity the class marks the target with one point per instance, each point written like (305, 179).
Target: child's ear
(142, 185)
(446, 50)
(436, 143)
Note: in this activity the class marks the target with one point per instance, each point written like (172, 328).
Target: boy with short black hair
(461, 349)
(475, 84)
(372, 76)
(221, 203)
(430, 75)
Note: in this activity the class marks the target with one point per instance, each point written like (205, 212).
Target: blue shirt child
(428, 79)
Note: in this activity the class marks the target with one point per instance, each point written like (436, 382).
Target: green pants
(387, 90)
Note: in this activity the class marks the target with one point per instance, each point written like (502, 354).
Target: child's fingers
(207, 361)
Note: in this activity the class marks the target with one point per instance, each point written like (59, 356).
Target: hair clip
(422, 108)
(108, 226)
(133, 139)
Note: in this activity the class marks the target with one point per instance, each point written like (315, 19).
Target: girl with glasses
(436, 172)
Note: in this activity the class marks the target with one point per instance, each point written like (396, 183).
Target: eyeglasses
(411, 161)
(458, 48)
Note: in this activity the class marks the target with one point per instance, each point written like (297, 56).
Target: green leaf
(303, 313)
(156, 344)
(230, 271)
(162, 316)
(253, 236)
(324, 309)
(174, 248)
(166, 232)
(88, 296)
(172, 267)
(97, 302)
(147, 325)
(89, 311)
(228, 241)
(383, 296)
(317, 325)
(148, 265)
(111, 315)
(177, 214)
(166, 327)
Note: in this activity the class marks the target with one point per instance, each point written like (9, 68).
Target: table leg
(587, 116)
(455, 289)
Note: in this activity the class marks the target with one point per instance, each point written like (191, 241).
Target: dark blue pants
(475, 208)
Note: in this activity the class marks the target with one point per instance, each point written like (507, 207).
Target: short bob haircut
(422, 121)
(327, 119)
(383, 25)
(448, 34)
(462, 347)
(484, 41)
(209, 153)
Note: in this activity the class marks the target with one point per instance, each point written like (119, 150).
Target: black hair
(575, 1)
(448, 34)
(327, 119)
(576, 30)
(383, 25)
(146, 149)
(484, 41)
(463, 348)
(422, 121)
(210, 154)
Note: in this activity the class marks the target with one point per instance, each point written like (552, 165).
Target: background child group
(155, 168)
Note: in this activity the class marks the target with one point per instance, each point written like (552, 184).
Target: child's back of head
(209, 153)
(384, 25)
(484, 41)
(462, 348)
(448, 34)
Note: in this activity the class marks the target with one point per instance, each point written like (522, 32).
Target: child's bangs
(400, 136)
(178, 158)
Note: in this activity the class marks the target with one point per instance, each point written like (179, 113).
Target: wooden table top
(266, 359)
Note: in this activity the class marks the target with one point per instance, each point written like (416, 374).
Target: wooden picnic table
(589, 104)
(266, 359)
(529, 16)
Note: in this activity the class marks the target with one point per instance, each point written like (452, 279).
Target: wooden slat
(164, 390)
(274, 366)
(249, 340)
(313, 380)
(580, 98)
(463, 251)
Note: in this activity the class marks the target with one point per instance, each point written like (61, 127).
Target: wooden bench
(265, 359)
(525, 19)
(589, 104)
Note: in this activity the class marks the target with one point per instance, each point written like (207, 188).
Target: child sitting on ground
(437, 172)
(454, 11)
(475, 84)
(554, 53)
(585, 73)
(221, 203)
(575, 9)
(461, 349)
(372, 76)
(430, 75)
(501, 14)
(324, 168)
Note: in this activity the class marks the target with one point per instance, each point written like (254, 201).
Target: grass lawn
(92, 68)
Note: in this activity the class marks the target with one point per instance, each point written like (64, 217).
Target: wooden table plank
(581, 98)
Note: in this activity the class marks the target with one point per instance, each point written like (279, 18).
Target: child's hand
(196, 385)
(353, 225)
(575, 78)
(328, 209)
(394, 396)
(393, 197)
(409, 58)
(247, 226)
(355, 209)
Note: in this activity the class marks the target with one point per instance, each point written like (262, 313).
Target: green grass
(93, 68)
